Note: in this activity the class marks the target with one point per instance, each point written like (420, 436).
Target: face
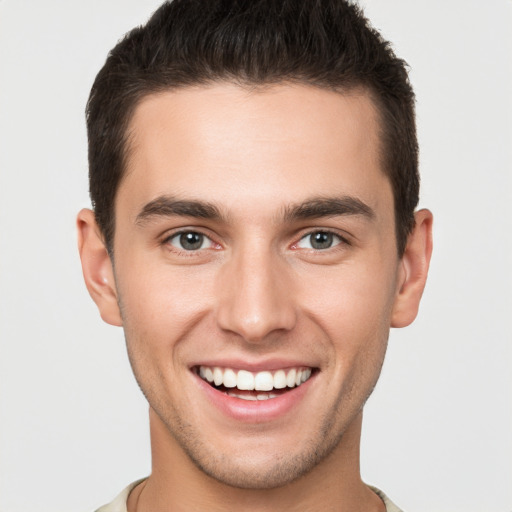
(256, 272)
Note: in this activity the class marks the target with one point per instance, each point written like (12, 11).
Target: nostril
(256, 302)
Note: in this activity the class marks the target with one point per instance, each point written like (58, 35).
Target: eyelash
(342, 241)
(168, 240)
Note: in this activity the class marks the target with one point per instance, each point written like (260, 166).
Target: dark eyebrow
(168, 206)
(328, 207)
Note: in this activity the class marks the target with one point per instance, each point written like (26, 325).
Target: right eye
(190, 241)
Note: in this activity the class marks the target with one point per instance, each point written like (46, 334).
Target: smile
(248, 385)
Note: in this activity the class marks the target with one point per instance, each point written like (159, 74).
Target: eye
(319, 240)
(190, 241)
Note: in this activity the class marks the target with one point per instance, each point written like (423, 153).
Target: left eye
(190, 241)
(319, 240)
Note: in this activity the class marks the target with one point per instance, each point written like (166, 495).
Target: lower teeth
(265, 396)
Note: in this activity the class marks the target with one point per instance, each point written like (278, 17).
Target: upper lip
(254, 366)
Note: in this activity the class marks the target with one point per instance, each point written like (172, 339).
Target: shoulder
(119, 502)
(390, 506)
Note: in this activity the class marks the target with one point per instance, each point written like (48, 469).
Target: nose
(255, 296)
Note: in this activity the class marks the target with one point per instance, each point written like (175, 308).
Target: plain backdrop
(73, 424)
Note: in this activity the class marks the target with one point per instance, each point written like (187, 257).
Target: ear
(97, 267)
(413, 270)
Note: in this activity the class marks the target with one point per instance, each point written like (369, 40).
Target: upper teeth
(260, 381)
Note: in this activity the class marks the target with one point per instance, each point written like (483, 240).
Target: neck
(176, 484)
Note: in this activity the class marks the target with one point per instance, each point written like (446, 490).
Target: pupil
(321, 240)
(191, 241)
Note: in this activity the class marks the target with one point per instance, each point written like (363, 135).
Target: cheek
(353, 306)
(161, 306)
(354, 295)
(159, 311)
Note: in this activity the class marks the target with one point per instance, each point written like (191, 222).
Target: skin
(257, 290)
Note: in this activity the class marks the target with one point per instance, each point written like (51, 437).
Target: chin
(269, 469)
(270, 474)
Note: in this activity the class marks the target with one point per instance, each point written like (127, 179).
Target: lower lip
(254, 411)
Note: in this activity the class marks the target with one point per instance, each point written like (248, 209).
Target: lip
(258, 411)
(254, 366)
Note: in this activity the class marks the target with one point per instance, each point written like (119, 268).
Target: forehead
(229, 144)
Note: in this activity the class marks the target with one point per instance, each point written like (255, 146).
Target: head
(254, 177)
(327, 44)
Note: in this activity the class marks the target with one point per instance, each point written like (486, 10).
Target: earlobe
(413, 270)
(97, 268)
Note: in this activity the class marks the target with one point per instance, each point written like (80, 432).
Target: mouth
(252, 386)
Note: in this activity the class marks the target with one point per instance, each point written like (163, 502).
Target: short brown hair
(324, 43)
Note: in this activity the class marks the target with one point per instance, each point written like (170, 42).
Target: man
(253, 173)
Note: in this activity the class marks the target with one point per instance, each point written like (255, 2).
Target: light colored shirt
(119, 503)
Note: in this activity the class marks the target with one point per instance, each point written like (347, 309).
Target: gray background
(73, 425)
